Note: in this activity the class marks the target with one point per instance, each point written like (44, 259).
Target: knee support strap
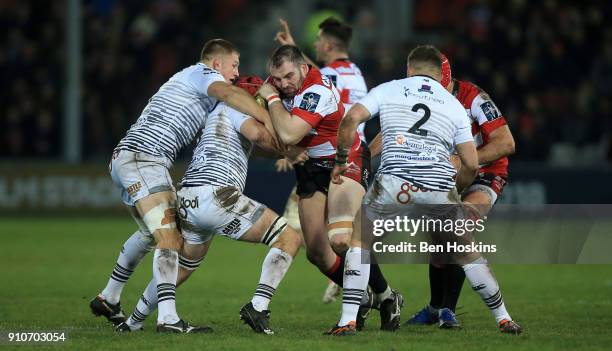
(274, 231)
(162, 216)
(340, 225)
(189, 264)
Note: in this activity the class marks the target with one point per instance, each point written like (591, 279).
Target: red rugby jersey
(318, 103)
(485, 117)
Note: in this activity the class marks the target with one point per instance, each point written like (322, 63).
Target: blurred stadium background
(77, 73)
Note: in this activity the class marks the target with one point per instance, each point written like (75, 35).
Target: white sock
(132, 252)
(484, 283)
(145, 306)
(355, 282)
(273, 269)
(165, 273)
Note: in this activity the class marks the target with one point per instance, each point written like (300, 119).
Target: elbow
(471, 168)
(256, 136)
(510, 147)
(288, 138)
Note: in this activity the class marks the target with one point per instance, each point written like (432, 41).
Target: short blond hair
(216, 47)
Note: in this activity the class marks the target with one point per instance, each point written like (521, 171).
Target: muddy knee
(340, 243)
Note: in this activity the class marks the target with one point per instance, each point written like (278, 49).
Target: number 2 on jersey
(416, 128)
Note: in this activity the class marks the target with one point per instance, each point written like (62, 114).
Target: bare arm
(290, 128)
(259, 135)
(240, 100)
(376, 145)
(469, 164)
(500, 144)
(284, 37)
(346, 136)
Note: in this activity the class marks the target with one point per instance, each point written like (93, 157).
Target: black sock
(336, 273)
(453, 282)
(436, 286)
(377, 281)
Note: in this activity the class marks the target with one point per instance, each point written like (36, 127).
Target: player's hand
(337, 172)
(300, 159)
(283, 165)
(296, 155)
(267, 90)
(284, 36)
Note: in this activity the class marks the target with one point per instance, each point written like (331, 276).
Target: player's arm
(284, 37)
(289, 128)
(257, 133)
(465, 148)
(493, 126)
(500, 144)
(375, 145)
(346, 136)
(469, 164)
(240, 100)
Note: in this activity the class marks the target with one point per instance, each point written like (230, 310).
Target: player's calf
(190, 258)
(485, 285)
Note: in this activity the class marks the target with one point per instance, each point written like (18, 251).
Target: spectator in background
(549, 64)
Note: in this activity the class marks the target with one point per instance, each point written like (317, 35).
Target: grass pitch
(52, 267)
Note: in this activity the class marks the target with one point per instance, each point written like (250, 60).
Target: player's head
(222, 56)
(288, 69)
(249, 83)
(334, 36)
(426, 60)
(447, 77)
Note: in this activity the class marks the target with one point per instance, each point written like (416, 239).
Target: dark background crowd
(546, 64)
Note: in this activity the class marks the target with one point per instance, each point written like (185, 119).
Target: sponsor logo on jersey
(414, 146)
(490, 110)
(333, 78)
(207, 70)
(232, 227)
(425, 89)
(355, 272)
(310, 101)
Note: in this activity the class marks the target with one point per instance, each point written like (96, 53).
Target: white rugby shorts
(139, 175)
(208, 210)
(390, 196)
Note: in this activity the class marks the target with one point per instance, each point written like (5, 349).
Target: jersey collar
(424, 75)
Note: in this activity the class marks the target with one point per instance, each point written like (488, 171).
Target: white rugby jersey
(347, 78)
(174, 114)
(222, 154)
(421, 122)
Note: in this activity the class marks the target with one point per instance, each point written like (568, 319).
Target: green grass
(52, 267)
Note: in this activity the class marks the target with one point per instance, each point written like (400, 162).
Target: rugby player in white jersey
(494, 143)
(211, 202)
(140, 168)
(421, 124)
(331, 48)
(308, 117)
